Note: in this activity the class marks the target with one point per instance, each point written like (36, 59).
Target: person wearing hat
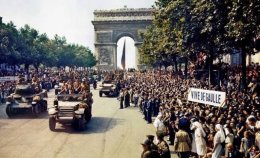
(163, 147)
(147, 151)
(153, 146)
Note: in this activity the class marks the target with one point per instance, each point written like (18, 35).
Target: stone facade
(111, 25)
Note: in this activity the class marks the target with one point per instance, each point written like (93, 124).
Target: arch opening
(130, 54)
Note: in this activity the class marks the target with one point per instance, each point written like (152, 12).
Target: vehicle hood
(108, 85)
(68, 103)
(25, 96)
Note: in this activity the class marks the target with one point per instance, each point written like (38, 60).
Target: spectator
(182, 143)
(219, 138)
(199, 138)
(232, 152)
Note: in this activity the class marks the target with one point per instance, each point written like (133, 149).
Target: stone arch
(123, 34)
(111, 25)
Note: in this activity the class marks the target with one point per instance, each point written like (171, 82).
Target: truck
(73, 107)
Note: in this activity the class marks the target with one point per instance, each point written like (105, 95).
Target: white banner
(215, 98)
(8, 78)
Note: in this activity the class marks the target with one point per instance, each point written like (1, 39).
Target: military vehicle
(26, 99)
(108, 88)
(73, 107)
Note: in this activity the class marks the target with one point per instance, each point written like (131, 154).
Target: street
(112, 133)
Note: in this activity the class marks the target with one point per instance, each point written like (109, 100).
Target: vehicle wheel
(114, 94)
(81, 124)
(100, 94)
(8, 110)
(35, 110)
(75, 123)
(44, 106)
(52, 123)
(88, 116)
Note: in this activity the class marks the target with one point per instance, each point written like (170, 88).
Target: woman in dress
(199, 139)
(219, 138)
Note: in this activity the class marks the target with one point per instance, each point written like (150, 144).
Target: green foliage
(27, 46)
(243, 24)
(215, 27)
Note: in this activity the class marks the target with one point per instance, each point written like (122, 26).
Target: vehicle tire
(81, 124)
(35, 109)
(44, 106)
(114, 94)
(52, 123)
(88, 116)
(8, 111)
(75, 123)
(100, 94)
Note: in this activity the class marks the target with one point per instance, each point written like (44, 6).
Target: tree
(8, 46)
(27, 46)
(243, 28)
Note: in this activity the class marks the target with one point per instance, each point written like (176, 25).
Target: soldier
(156, 106)
(144, 106)
(148, 109)
(121, 98)
(163, 147)
(153, 146)
(127, 98)
(147, 152)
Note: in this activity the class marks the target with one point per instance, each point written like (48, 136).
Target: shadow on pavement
(25, 115)
(96, 125)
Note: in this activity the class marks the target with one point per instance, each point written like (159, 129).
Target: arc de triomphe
(111, 25)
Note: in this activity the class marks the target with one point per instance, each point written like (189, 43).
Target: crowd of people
(195, 129)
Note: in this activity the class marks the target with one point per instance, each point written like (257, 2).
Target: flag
(123, 58)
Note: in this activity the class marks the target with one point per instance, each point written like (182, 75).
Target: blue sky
(69, 18)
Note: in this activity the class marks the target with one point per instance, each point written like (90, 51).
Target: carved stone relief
(105, 56)
(104, 37)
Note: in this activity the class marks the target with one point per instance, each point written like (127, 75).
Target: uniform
(121, 96)
(144, 107)
(163, 149)
(127, 99)
(149, 111)
(182, 144)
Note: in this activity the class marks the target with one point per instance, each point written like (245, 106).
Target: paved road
(112, 133)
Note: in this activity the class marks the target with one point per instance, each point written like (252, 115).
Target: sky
(69, 18)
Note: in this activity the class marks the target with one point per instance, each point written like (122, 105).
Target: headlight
(7, 103)
(78, 116)
(55, 102)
